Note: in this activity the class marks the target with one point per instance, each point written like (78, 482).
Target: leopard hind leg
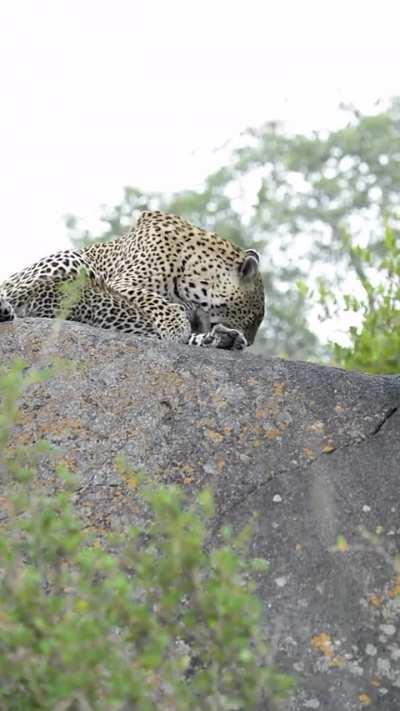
(36, 291)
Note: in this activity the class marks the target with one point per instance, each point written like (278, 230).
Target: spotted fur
(164, 278)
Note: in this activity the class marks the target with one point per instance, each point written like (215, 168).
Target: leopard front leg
(175, 322)
(140, 312)
(153, 315)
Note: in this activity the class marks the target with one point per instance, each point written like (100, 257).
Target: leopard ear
(250, 265)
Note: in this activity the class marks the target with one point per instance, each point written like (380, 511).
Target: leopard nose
(200, 321)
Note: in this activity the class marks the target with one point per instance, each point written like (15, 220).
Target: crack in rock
(386, 417)
(367, 436)
(300, 470)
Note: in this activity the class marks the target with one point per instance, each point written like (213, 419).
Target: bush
(151, 619)
(373, 345)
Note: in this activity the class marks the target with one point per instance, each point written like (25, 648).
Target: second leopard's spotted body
(164, 278)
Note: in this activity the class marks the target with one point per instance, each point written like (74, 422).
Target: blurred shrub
(153, 619)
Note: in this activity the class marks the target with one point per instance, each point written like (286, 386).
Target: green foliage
(293, 197)
(70, 294)
(375, 344)
(153, 618)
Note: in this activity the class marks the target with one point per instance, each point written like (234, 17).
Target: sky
(96, 95)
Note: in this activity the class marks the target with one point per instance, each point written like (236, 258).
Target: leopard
(164, 278)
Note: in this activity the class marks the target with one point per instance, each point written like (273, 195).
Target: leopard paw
(7, 312)
(220, 337)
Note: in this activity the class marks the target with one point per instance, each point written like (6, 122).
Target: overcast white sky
(98, 94)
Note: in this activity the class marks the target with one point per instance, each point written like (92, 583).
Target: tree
(296, 197)
(375, 343)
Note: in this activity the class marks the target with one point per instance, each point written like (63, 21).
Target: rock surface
(314, 451)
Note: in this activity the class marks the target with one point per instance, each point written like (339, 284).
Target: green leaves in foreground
(155, 619)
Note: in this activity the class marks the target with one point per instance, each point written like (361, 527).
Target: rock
(313, 451)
